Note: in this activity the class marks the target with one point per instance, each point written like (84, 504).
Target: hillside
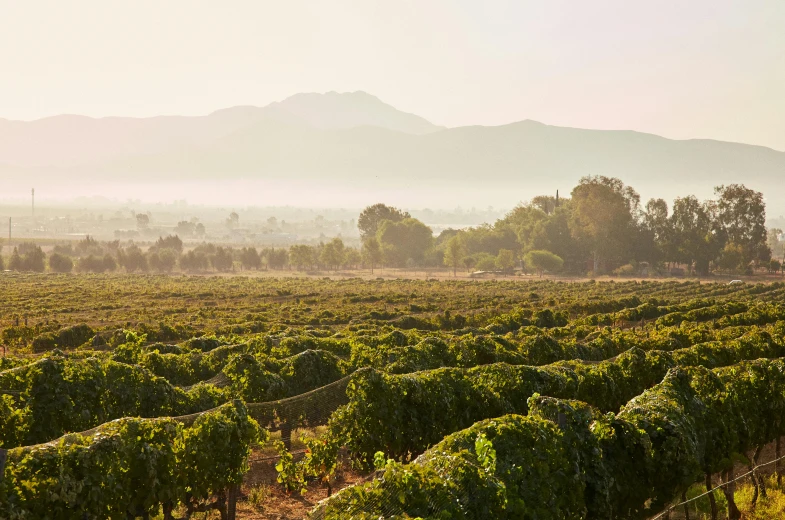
(356, 139)
(70, 139)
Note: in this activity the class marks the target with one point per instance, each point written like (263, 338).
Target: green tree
(732, 257)
(505, 260)
(741, 213)
(372, 217)
(454, 252)
(658, 225)
(185, 228)
(604, 213)
(172, 242)
(108, 262)
(222, 259)
(15, 262)
(28, 257)
(371, 251)
(250, 259)
(543, 261)
(352, 258)
(332, 254)
(776, 246)
(132, 259)
(545, 203)
(60, 263)
(485, 262)
(522, 220)
(194, 261)
(695, 237)
(302, 256)
(276, 258)
(163, 260)
(403, 240)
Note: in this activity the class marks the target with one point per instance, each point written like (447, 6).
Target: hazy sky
(694, 68)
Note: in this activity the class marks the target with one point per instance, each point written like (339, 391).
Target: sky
(681, 69)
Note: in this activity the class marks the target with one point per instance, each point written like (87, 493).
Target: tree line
(601, 228)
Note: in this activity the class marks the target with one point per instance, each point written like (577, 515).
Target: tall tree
(372, 251)
(371, 218)
(657, 225)
(741, 213)
(695, 235)
(453, 253)
(302, 256)
(250, 259)
(404, 240)
(553, 234)
(333, 253)
(604, 217)
(776, 245)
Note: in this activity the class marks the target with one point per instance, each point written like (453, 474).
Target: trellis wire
(712, 490)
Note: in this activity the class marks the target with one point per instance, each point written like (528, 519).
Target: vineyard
(130, 396)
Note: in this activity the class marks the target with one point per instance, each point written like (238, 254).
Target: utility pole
(33, 194)
(9, 232)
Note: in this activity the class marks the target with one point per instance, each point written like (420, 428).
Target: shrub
(60, 263)
(44, 342)
(27, 257)
(625, 270)
(542, 261)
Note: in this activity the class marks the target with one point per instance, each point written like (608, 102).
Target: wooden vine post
(286, 434)
(233, 492)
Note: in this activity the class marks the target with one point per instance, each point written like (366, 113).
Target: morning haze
(478, 260)
(336, 149)
(289, 102)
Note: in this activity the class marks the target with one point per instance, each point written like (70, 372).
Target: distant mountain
(516, 154)
(71, 140)
(352, 109)
(356, 140)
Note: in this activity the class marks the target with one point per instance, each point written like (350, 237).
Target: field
(133, 396)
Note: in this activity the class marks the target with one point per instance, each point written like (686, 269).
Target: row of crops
(618, 402)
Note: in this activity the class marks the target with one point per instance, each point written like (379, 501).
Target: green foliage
(290, 473)
(486, 455)
(252, 382)
(543, 261)
(58, 396)
(60, 263)
(567, 460)
(370, 218)
(404, 240)
(403, 414)
(27, 257)
(130, 466)
(471, 351)
(321, 458)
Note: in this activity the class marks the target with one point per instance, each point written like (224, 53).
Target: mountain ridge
(354, 139)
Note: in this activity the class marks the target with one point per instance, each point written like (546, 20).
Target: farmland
(155, 396)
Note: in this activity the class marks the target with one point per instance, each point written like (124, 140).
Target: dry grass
(770, 507)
